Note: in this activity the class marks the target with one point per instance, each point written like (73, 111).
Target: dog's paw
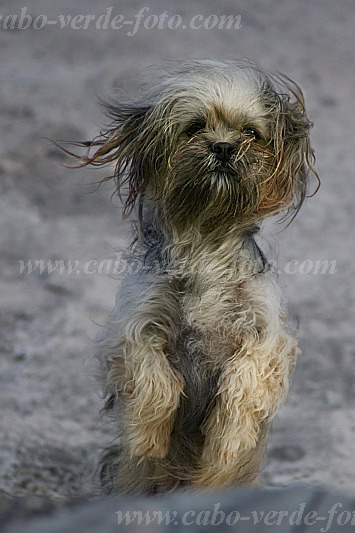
(147, 441)
(108, 468)
(220, 452)
(150, 413)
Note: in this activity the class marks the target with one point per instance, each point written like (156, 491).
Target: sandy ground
(50, 78)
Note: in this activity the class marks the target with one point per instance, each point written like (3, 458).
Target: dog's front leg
(155, 394)
(153, 387)
(250, 392)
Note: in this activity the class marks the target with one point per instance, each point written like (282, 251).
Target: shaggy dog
(197, 355)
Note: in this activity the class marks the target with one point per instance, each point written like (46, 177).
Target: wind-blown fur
(197, 355)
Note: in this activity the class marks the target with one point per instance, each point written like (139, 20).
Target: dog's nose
(223, 150)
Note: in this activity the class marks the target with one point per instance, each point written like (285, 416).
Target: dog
(197, 355)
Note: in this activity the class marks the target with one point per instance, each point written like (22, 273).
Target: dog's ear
(123, 145)
(292, 149)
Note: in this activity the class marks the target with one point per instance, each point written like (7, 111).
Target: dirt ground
(50, 79)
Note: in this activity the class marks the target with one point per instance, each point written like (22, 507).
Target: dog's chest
(216, 317)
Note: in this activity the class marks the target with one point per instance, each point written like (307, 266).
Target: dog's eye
(252, 132)
(195, 127)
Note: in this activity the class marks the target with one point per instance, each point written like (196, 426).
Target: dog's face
(211, 143)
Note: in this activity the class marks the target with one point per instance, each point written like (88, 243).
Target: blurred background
(50, 80)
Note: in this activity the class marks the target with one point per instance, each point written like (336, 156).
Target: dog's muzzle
(223, 150)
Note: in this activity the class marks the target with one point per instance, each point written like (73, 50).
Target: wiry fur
(197, 355)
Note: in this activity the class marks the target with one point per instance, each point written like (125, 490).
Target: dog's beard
(201, 190)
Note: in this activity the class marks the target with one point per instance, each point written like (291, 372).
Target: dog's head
(210, 143)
